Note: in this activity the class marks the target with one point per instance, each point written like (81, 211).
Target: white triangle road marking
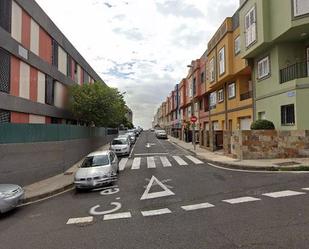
(165, 161)
(179, 160)
(136, 163)
(194, 160)
(122, 163)
(166, 192)
(151, 162)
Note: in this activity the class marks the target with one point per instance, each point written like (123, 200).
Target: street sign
(193, 119)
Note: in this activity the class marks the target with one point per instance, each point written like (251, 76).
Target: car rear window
(94, 161)
(119, 141)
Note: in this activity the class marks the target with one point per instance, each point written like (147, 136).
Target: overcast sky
(142, 47)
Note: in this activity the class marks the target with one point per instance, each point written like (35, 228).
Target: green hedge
(262, 125)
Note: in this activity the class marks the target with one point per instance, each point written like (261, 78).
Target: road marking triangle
(166, 192)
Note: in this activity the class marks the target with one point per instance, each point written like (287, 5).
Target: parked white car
(98, 169)
(121, 146)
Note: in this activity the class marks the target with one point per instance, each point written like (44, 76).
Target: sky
(142, 47)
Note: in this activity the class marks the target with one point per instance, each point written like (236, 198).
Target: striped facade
(37, 64)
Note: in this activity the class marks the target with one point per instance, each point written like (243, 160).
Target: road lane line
(307, 189)
(284, 193)
(80, 220)
(241, 200)
(179, 160)
(136, 163)
(197, 206)
(165, 161)
(123, 163)
(151, 163)
(195, 160)
(156, 212)
(124, 215)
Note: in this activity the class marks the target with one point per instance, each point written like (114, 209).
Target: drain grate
(291, 163)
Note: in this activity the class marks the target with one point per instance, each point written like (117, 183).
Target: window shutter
(301, 7)
(5, 69)
(5, 14)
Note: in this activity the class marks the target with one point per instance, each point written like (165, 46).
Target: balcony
(247, 95)
(295, 71)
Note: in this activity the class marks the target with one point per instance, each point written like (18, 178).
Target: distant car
(161, 134)
(121, 146)
(98, 169)
(10, 196)
(135, 131)
(132, 137)
(152, 129)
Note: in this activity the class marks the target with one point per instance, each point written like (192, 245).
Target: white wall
(24, 81)
(34, 37)
(41, 88)
(16, 21)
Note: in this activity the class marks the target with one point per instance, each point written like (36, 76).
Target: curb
(51, 193)
(242, 167)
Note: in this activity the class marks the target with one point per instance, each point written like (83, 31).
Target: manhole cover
(288, 164)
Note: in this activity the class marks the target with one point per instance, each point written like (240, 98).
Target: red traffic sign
(193, 119)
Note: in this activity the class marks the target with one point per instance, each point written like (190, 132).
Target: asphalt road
(165, 198)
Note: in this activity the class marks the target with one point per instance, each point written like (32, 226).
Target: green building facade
(275, 41)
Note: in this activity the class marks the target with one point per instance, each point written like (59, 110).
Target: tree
(97, 104)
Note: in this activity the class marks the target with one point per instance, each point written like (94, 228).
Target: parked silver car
(161, 134)
(98, 168)
(10, 196)
(121, 146)
(132, 137)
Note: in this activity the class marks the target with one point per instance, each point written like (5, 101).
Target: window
(250, 27)
(5, 14)
(202, 77)
(220, 95)
(5, 68)
(287, 115)
(69, 66)
(194, 86)
(262, 115)
(55, 53)
(212, 69)
(5, 116)
(222, 61)
(263, 68)
(301, 7)
(232, 90)
(237, 45)
(213, 99)
(49, 94)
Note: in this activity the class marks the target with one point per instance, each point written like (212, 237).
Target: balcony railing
(247, 95)
(295, 71)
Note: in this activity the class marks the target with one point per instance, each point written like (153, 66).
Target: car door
(114, 161)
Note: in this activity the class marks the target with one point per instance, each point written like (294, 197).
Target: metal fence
(29, 133)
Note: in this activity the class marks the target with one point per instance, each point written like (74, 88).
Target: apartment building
(228, 80)
(275, 41)
(37, 64)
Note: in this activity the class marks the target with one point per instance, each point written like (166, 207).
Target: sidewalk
(219, 159)
(53, 185)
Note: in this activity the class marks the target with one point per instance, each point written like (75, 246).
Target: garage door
(245, 123)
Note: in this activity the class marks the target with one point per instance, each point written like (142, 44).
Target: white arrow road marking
(165, 161)
(136, 163)
(195, 160)
(156, 212)
(93, 210)
(151, 162)
(284, 193)
(179, 160)
(241, 200)
(122, 163)
(80, 220)
(197, 206)
(166, 192)
(124, 215)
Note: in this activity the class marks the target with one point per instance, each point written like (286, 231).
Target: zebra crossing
(152, 162)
